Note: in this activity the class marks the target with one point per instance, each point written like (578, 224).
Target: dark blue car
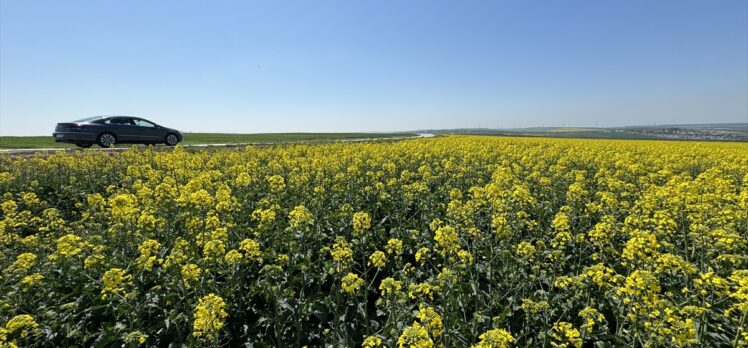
(110, 130)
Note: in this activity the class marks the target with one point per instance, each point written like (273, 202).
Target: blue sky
(275, 66)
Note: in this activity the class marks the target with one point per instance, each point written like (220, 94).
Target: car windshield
(88, 119)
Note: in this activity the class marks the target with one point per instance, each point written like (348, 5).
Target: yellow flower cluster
(377, 259)
(423, 290)
(394, 246)
(351, 282)
(114, 282)
(446, 240)
(591, 318)
(565, 335)
(341, 254)
(70, 245)
(300, 216)
(251, 249)
(214, 250)
(276, 182)
(372, 342)
(148, 254)
(21, 325)
(190, 274)
(361, 222)
(23, 263)
(415, 336)
(422, 255)
(431, 320)
(495, 338)
(525, 250)
(209, 315)
(31, 280)
(390, 286)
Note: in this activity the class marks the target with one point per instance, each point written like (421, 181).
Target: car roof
(87, 119)
(101, 117)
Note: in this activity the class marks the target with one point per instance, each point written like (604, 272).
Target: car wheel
(83, 145)
(106, 140)
(171, 139)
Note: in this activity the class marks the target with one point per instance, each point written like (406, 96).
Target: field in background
(37, 142)
(222, 138)
(712, 132)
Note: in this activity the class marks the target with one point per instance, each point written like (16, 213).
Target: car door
(128, 130)
(120, 127)
(147, 131)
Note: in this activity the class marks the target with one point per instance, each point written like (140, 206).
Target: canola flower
(351, 282)
(591, 319)
(148, 254)
(178, 253)
(23, 263)
(251, 249)
(214, 250)
(233, 257)
(190, 274)
(94, 260)
(361, 222)
(430, 319)
(394, 246)
(423, 290)
(276, 183)
(466, 257)
(209, 315)
(390, 286)
(495, 338)
(422, 255)
(378, 259)
(446, 240)
(300, 216)
(341, 254)
(70, 245)
(23, 325)
(114, 283)
(372, 342)
(32, 280)
(565, 335)
(415, 336)
(525, 250)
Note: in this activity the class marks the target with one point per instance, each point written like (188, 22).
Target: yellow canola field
(446, 242)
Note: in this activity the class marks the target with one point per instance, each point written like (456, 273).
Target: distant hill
(711, 131)
(719, 126)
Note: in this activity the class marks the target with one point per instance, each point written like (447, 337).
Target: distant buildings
(689, 133)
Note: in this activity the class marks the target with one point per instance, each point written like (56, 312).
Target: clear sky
(275, 66)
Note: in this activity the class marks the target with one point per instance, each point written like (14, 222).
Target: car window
(120, 120)
(143, 123)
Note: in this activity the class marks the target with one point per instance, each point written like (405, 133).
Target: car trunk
(69, 127)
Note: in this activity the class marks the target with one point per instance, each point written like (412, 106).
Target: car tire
(171, 139)
(83, 145)
(106, 140)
